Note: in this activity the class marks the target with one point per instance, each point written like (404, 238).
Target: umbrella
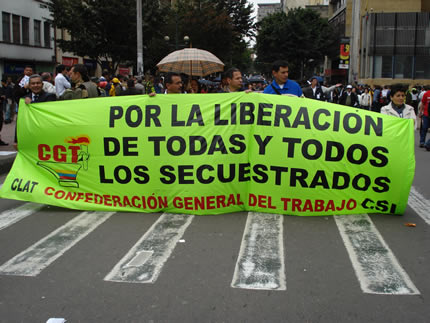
(191, 61)
(256, 79)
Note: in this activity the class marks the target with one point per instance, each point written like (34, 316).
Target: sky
(255, 2)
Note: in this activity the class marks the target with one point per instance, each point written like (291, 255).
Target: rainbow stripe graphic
(66, 173)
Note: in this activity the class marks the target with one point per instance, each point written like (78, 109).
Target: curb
(6, 163)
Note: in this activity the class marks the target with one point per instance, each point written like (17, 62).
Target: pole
(355, 38)
(140, 70)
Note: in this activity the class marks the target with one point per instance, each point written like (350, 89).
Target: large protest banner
(211, 154)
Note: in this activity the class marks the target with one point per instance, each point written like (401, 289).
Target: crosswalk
(262, 262)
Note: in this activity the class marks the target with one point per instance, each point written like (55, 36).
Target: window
(37, 33)
(403, 67)
(25, 30)
(6, 26)
(422, 67)
(383, 66)
(16, 29)
(47, 33)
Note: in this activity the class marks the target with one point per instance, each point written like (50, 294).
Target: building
(27, 37)
(265, 9)
(389, 41)
(313, 4)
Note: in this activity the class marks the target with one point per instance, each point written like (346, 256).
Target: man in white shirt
(61, 83)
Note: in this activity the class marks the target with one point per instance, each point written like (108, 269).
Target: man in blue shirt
(281, 84)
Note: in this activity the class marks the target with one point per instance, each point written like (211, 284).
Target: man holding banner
(281, 84)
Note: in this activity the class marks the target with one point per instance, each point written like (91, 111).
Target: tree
(218, 26)
(104, 29)
(300, 37)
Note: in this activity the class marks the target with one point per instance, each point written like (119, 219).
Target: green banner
(212, 154)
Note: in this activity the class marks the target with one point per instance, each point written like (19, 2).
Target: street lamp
(186, 41)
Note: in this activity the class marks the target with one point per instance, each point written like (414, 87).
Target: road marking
(377, 269)
(144, 261)
(37, 257)
(260, 264)
(419, 204)
(12, 216)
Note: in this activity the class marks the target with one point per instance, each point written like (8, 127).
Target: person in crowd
(84, 88)
(131, 89)
(314, 91)
(412, 98)
(21, 86)
(348, 97)
(116, 87)
(158, 85)
(47, 83)
(195, 86)
(8, 103)
(377, 99)
(233, 79)
(397, 106)
(37, 94)
(61, 82)
(424, 113)
(149, 84)
(140, 88)
(3, 89)
(385, 95)
(365, 99)
(173, 83)
(281, 84)
(100, 90)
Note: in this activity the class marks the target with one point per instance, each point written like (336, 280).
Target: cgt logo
(64, 154)
(64, 162)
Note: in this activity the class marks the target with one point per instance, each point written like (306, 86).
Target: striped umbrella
(191, 61)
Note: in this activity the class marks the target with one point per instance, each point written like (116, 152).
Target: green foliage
(298, 37)
(218, 26)
(104, 29)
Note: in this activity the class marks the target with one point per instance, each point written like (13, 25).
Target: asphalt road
(205, 269)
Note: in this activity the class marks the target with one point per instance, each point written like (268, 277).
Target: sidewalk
(7, 153)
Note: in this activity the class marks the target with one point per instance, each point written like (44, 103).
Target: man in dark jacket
(314, 91)
(35, 85)
(348, 97)
(131, 89)
(37, 94)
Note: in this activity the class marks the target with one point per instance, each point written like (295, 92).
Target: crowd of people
(74, 83)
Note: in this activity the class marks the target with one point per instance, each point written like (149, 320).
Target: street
(131, 267)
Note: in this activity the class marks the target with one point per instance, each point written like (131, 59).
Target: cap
(349, 86)
(115, 80)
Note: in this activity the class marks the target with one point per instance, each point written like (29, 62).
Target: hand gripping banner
(212, 154)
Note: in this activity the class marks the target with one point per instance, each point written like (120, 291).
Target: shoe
(427, 148)
(421, 145)
(2, 143)
(7, 121)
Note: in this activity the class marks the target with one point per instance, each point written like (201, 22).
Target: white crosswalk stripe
(260, 264)
(419, 204)
(144, 261)
(34, 259)
(376, 267)
(12, 216)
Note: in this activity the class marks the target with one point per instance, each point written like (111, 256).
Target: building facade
(389, 41)
(265, 9)
(27, 37)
